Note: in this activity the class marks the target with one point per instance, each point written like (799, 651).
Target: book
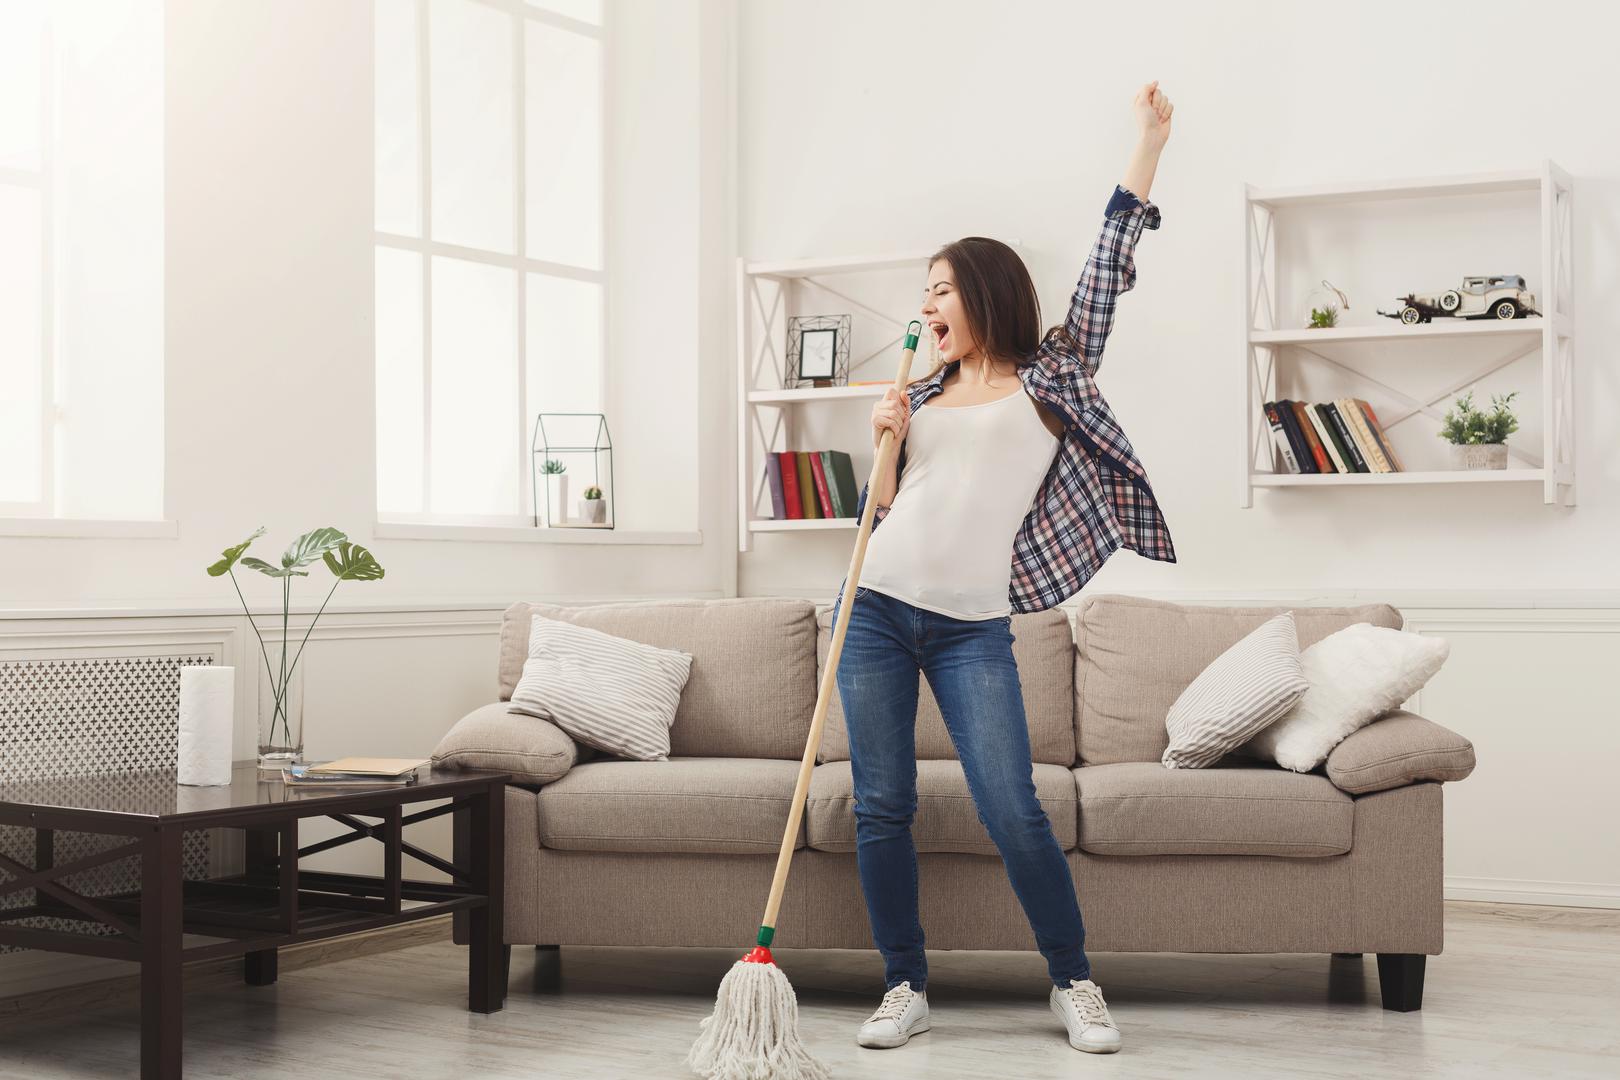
(1358, 425)
(300, 776)
(1379, 434)
(844, 481)
(1279, 437)
(790, 484)
(773, 480)
(1325, 438)
(807, 486)
(1290, 421)
(1345, 437)
(370, 766)
(824, 502)
(1312, 444)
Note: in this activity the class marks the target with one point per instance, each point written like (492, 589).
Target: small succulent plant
(553, 466)
(593, 492)
(1321, 318)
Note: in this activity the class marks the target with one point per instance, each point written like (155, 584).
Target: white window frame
(426, 247)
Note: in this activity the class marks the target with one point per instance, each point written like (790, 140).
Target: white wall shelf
(1428, 476)
(1269, 345)
(768, 415)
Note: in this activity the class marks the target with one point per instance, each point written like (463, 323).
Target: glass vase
(281, 707)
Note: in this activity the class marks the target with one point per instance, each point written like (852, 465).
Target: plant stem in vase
(281, 707)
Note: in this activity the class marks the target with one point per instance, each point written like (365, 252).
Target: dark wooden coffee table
(273, 903)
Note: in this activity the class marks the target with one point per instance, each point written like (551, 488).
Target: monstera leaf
(353, 563)
(231, 554)
(312, 545)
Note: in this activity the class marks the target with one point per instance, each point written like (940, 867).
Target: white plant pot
(559, 498)
(593, 510)
(1479, 455)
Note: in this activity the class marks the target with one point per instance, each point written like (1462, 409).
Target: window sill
(92, 528)
(524, 534)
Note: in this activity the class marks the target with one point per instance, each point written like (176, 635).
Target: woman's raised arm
(1111, 269)
(1152, 111)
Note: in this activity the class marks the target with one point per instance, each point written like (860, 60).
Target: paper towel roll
(207, 708)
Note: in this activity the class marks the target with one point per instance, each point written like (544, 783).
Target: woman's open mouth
(941, 332)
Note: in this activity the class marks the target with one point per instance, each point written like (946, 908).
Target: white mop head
(753, 1033)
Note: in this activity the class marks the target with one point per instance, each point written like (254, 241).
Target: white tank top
(972, 474)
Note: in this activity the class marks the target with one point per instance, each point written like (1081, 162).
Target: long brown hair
(998, 297)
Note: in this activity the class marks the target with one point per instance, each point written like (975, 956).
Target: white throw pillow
(608, 692)
(1242, 690)
(1357, 675)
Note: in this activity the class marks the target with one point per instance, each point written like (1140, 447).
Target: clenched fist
(893, 413)
(1152, 109)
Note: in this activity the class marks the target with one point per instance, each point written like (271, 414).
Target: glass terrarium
(573, 460)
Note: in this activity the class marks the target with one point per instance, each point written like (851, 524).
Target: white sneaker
(1081, 1008)
(903, 1013)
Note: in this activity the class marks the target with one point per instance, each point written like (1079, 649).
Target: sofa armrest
(533, 750)
(1398, 748)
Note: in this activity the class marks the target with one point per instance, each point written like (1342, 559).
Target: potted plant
(592, 507)
(1479, 440)
(281, 692)
(559, 502)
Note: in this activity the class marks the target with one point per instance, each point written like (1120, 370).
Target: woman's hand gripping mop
(753, 1033)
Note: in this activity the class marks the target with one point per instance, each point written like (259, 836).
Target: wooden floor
(1519, 992)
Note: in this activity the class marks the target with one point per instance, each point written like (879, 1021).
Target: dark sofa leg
(1400, 980)
(547, 968)
(1347, 956)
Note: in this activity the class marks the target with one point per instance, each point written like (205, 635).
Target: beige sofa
(1238, 857)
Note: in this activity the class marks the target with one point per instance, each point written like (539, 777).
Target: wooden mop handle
(887, 448)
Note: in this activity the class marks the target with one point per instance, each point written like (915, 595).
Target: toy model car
(1499, 296)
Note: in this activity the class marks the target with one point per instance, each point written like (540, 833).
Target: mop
(753, 1033)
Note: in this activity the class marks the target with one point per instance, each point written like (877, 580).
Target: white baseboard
(1584, 894)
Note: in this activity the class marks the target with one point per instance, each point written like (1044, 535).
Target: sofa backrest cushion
(752, 688)
(1043, 648)
(1134, 656)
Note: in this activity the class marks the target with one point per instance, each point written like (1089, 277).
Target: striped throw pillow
(1250, 685)
(608, 692)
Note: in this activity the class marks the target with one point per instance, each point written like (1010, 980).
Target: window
(81, 259)
(490, 282)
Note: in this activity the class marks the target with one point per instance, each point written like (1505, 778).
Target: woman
(1020, 485)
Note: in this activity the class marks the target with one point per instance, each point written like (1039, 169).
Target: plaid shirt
(1095, 498)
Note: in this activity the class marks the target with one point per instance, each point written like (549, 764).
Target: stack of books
(811, 484)
(354, 772)
(1338, 436)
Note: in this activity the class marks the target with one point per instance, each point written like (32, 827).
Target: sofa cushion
(1143, 808)
(752, 687)
(946, 819)
(1356, 675)
(1043, 648)
(695, 804)
(1247, 688)
(534, 751)
(1399, 749)
(1135, 656)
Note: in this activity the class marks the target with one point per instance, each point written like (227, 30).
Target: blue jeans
(970, 668)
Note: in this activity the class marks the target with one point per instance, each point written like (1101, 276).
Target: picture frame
(817, 351)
